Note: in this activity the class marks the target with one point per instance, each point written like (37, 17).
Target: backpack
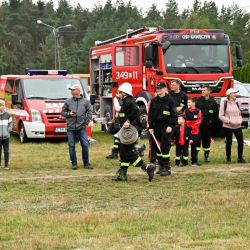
(225, 106)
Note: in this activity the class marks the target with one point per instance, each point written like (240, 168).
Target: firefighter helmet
(126, 88)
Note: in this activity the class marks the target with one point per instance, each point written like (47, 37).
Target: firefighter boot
(206, 155)
(113, 155)
(161, 167)
(121, 174)
(166, 168)
(150, 169)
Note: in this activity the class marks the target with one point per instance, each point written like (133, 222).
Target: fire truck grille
(55, 118)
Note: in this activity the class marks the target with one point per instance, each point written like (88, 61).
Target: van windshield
(49, 88)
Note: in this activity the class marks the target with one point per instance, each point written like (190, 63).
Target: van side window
(9, 86)
(19, 91)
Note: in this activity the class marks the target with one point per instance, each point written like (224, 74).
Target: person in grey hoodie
(78, 113)
(5, 129)
(230, 116)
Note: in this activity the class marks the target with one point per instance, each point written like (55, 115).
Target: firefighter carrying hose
(130, 123)
(161, 119)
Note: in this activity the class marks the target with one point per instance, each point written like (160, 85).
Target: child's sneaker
(6, 167)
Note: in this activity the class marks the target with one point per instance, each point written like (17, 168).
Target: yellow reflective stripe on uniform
(165, 112)
(137, 161)
(124, 164)
(198, 149)
(185, 157)
(159, 155)
(177, 158)
(115, 146)
(121, 114)
(211, 111)
(206, 149)
(182, 105)
(165, 156)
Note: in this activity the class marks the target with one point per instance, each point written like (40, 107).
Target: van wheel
(22, 134)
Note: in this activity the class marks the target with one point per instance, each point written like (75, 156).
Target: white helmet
(126, 88)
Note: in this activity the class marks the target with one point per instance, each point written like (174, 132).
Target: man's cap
(75, 87)
(230, 91)
(161, 85)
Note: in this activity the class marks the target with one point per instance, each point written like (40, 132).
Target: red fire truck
(149, 55)
(35, 101)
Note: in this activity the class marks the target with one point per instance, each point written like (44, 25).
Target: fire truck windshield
(197, 58)
(49, 88)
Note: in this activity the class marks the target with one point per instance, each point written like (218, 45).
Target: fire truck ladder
(128, 35)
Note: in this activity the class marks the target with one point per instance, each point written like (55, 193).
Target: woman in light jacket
(231, 118)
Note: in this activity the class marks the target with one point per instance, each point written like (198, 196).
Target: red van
(35, 101)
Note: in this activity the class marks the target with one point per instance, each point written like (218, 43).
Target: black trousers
(129, 156)
(205, 132)
(195, 148)
(229, 138)
(181, 154)
(5, 145)
(164, 140)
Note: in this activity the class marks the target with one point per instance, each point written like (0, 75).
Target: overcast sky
(145, 4)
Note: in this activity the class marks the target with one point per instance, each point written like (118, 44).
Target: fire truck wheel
(108, 127)
(22, 134)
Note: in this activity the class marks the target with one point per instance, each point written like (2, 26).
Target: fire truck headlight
(36, 115)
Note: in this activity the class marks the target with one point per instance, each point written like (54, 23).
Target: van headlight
(36, 115)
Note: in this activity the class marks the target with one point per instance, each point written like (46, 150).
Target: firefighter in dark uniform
(209, 109)
(117, 103)
(179, 97)
(161, 119)
(129, 115)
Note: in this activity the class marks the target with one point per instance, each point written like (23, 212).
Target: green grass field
(46, 205)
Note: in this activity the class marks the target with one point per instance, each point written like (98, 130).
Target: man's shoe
(74, 166)
(88, 166)
(196, 164)
(241, 161)
(165, 173)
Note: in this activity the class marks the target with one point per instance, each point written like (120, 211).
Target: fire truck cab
(35, 101)
(149, 55)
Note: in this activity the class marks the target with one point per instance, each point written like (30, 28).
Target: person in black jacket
(210, 111)
(182, 138)
(129, 115)
(179, 97)
(162, 117)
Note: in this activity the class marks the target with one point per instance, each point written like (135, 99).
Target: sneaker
(196, 164)
(74, 166)
(177, 166)
(6, 167)
(88, 166)
(241, 161)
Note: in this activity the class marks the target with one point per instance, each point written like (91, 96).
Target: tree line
(24, 43)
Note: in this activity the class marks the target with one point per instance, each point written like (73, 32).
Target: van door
(127, 65)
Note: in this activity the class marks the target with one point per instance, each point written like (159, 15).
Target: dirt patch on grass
(182, 171)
